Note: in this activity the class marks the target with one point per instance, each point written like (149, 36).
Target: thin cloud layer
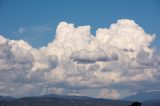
(117, 58)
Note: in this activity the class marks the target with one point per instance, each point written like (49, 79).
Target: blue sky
(37, 14)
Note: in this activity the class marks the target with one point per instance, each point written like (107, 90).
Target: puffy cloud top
(77, 60)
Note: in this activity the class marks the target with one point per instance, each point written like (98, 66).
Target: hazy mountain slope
(144, 96)
(55, 100)
(6, 98)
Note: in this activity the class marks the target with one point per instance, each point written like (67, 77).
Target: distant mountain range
(146, 98)
(60, 100)
(6, 98)
(151, 98)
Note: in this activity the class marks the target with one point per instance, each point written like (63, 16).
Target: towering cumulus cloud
(116, 60)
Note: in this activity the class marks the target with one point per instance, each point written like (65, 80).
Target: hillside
(145, 96)
(56, 100)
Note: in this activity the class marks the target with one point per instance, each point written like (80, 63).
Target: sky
(98, 48)
(39, 13)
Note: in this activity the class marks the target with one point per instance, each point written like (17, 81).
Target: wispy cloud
(34, 34)
(33, 29)
(21, 30)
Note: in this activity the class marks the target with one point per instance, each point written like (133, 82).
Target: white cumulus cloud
(76, 60)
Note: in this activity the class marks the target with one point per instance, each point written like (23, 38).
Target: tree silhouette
(135, 104)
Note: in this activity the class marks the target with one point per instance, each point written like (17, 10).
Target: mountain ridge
(144, 96)
(65, 100)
